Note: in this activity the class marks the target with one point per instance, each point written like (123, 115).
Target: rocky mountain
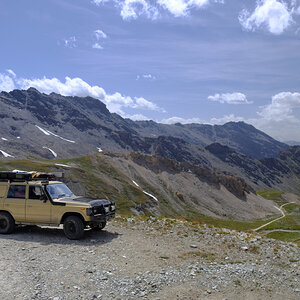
(36, 124)
(241, 137)
(226, 163)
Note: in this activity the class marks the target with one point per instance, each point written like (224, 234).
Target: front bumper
(102, 217)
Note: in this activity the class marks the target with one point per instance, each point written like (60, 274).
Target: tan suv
(29, 198)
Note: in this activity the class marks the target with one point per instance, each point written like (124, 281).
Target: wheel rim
(71, 227)
(3, 223)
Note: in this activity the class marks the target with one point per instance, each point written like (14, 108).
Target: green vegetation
(273, 195)
(292, 208)
(225, 223)
(286, 223)
(290, 222)
(285, 236)
(237, 282)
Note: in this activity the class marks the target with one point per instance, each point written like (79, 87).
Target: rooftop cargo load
(17, 175)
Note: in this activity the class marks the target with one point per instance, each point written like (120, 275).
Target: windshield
(58, 190)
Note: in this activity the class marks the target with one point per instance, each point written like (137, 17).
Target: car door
(38, 210)
(15, 201)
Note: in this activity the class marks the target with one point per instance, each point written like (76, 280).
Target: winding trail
(283, 215)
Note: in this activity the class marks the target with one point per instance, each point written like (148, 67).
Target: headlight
(89, 211)
(113, 207)
(106, 209)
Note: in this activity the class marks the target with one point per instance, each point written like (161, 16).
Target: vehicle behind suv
(31, 198)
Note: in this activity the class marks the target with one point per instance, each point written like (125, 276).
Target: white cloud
(142, 103)
(97, 46)
(78, 87)
(98, 2)
(6, 83)
(280, 118)
(174, 120)
(146, 76)
(132, 9)
(273, 14)
(136, 117)
(99, 34)
(180, 8)
(226, 119)
(230, 98)
(177, 8)
(70, 42)
(11, 72)
(281, 107)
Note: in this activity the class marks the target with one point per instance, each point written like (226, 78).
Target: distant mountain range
(36, 124)
(235, 156)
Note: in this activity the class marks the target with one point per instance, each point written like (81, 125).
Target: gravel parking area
(152, 259)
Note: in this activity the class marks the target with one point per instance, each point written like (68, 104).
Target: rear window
(16, 191)
(3, 190)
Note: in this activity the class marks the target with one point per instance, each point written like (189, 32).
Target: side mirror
(43, 198)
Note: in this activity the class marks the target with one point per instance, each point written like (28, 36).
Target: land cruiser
(31, 198)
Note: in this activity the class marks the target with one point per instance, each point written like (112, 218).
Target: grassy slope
(290, 222)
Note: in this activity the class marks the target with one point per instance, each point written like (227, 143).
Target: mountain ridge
(87, 121)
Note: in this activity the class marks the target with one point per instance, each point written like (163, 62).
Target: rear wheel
(73, 228)
(7, 223)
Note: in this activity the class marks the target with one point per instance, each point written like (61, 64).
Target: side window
(35, 192)
(16, 191)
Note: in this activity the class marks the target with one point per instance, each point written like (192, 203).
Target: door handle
(7, 204)
(29, 205)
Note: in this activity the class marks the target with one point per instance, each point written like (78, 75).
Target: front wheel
(73, 228)
(7, 223)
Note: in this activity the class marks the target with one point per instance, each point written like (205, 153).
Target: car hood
(90, 201)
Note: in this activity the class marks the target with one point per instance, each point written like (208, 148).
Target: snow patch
(4, 139)
(150, 196)
(99, 149)
(42, 130)
(135, 183)
(5, 154)
(18, 137)
(277, 208)
(62, 165)
(145, 191)
(47, 132)
(54, 154)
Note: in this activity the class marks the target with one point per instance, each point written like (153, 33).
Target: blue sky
(206, 61)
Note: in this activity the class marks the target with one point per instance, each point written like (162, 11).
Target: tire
(7, 223)
(99, 226)
(73, 228)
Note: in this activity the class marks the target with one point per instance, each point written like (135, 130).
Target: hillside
(150, 185)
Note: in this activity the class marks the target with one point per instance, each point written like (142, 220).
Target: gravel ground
(153, 259)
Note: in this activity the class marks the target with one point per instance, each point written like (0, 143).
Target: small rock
(193, 246)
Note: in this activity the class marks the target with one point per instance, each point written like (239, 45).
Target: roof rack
(22, 176)
(15, 176)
